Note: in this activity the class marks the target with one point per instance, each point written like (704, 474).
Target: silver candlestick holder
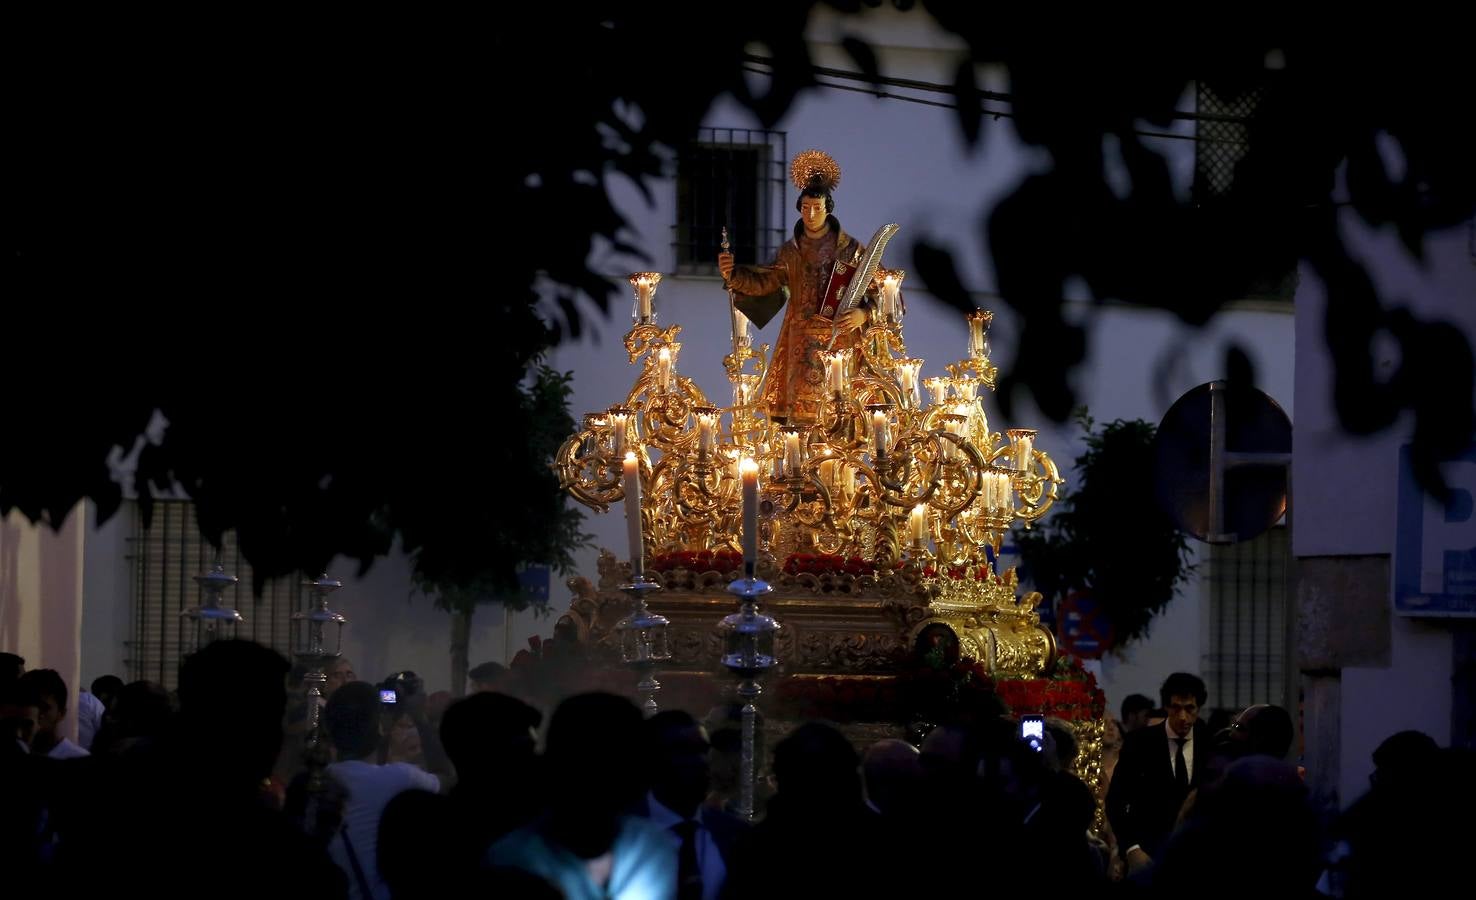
(643, 640)
(748, 652)
(212, 620)
(315, 647)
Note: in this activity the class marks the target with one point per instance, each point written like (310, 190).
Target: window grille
(164, 560)
(1249, 619)
(733, 178)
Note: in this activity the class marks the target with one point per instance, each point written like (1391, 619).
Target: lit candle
(619, 422)
(880, 441)
(907, 370)
(891, 291)
(978, 344)
(938, 387)
(663, 369)
(633, 514)
(645, 292)
(749, 470)
(792, 457)
(835, 369)
(643, 300)
(1022, 441)
(917, 524)
(707, 422)
(743, 389)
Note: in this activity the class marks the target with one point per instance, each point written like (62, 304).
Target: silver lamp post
(315, 647)
(643, 640)
(748, 652)
(211, 620)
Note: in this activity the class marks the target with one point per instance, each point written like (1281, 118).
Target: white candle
(707, 429)
(645, 288)
(880, 440)
(633, 514)
(978, 344)
(907, 370)
(835, 369)
(776, 469)
(938, 387)
(1023, 448)
(917, 524)
(743, 390)
(663, 369)
(618, 432)
(740, 328)
(792, 458)
(749, 470)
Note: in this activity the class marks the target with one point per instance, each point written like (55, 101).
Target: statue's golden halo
(810, 163)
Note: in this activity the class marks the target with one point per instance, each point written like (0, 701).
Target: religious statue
(814, 269)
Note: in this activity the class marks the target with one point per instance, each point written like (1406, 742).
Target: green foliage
(1107, 535)
(515, 512)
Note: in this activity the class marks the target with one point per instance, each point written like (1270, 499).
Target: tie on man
(689, 874)
(1181, 769)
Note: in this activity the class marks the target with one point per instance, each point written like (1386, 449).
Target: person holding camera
(353, 718)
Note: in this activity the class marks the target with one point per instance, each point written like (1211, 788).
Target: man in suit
(680, 776)
(1156, 769)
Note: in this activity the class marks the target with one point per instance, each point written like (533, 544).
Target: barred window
(1222, 136)
(1222, 139)
(164, 560)
(734, 178)
(1249, 622)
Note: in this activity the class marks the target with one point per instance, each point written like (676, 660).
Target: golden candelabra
(903, 473)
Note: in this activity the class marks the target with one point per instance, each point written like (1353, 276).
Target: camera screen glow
(1032, 728)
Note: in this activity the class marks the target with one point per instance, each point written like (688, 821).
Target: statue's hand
(852, 320)
(725, 265)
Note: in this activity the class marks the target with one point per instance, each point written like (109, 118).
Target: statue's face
(812, 213)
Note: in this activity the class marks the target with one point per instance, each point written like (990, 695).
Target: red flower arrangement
(698, 561)
(1070, 693)
(827, 564)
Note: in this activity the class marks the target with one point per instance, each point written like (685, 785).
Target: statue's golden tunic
(795, 382)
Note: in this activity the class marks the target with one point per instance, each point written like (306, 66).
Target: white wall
(1345, 489)
(106, 617)
(41, 598)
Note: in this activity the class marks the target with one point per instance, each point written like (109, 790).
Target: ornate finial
(811, 163)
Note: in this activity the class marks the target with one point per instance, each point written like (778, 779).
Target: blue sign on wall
(534, 580)
(1435, 542)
